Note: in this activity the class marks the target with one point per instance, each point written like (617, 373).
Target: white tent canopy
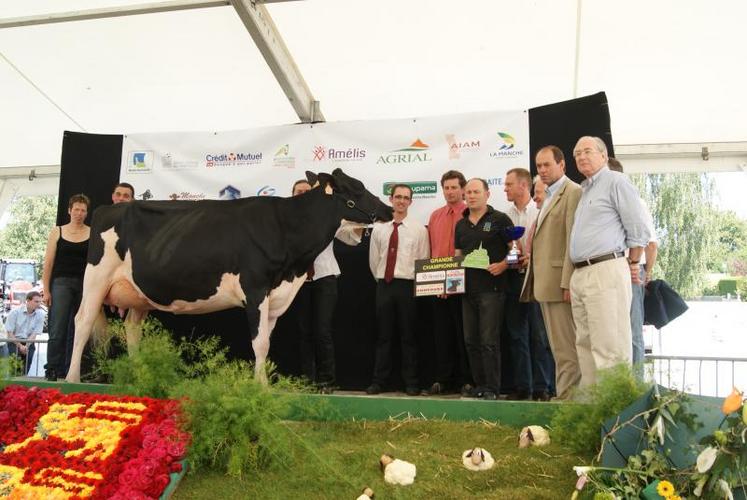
(673, 71)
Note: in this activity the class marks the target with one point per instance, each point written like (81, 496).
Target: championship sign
(439, 276)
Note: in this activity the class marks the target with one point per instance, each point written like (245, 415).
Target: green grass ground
(337, 460)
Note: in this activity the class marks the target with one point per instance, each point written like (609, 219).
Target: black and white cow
(195, 257)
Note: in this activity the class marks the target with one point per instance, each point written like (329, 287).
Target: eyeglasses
(401, 197)
(584, 152)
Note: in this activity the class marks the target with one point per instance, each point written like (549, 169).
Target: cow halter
(351, 204)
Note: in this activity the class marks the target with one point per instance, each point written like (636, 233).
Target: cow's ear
(311, 177)
(327, 182)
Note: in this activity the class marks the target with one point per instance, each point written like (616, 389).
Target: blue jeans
(533, 364)
(66, 295)
(636, 319)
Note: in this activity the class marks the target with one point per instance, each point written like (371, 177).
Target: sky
(672, 69)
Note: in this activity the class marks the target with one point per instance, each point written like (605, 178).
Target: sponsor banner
(439, 276)
(267, 161)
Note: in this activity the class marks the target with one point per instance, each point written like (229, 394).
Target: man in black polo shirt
(482, 305)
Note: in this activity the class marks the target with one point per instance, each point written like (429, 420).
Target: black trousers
(452, 366)
(315, 307)
(483, 319)
(396, 311)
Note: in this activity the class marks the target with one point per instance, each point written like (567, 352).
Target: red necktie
(391, 253)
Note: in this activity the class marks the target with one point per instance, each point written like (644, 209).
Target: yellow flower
(733, 402)
(674, 497)
(665, 489)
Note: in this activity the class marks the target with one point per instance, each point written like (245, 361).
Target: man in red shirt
(452, 367)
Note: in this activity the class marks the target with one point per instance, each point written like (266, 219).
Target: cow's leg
(133, 325)
(95, 287)
(261, 342)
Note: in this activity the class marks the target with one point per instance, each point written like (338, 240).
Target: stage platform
(350, 405)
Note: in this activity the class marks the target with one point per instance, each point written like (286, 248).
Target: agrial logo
(457, 147)
(506, 147)
(414, 153)
(141, 162)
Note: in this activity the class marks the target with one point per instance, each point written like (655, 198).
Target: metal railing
(35, 363)
(702, 375)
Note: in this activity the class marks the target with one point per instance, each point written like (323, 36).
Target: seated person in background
(25, 322)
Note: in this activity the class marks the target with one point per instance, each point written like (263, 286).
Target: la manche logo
(414, 153)
(507, 147)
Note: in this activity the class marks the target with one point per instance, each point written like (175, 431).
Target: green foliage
(25, 236)
(577, 426)
(10, 366)
(682, 208)
(235, 421)
(727, 286)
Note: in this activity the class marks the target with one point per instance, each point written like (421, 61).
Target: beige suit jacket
(550, 266)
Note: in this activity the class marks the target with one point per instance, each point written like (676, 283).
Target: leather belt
(597, 260)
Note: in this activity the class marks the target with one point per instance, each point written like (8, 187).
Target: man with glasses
(608, 221)
(550, 268)
(394, 248)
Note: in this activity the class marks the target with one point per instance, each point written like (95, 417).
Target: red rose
(176, 449)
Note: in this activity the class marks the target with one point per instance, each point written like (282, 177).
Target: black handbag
(661, 304)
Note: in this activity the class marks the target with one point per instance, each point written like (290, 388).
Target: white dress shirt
(413, 245)
(325, 263)
(524, 218)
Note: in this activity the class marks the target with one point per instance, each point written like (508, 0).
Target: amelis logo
(320, 152)
(420, 189)
(456, 147)
(414, 153)
(349, 154)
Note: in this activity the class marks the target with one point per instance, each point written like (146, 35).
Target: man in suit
(550, 268)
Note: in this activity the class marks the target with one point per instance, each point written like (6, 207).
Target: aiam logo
(266, 191)
(506, 148)
(141, 162)
(414, 153)
(456, 147)
(420, 189)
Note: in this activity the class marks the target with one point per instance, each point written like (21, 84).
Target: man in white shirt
(530, 358)
(394, 248)
(314, 307)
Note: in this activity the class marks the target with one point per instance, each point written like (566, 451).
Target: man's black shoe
(519, 396)
(541, 396)
(374, 389)
(412, 391)
(326, 388)
(467, 391)
(489, 396)
(50, 375)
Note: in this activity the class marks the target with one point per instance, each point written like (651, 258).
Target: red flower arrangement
(55, 445)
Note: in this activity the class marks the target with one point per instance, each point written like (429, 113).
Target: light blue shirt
(609, 217)
(24, 324)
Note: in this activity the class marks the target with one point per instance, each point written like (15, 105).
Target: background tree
(683, 212)
(25, 236)
(730, 249)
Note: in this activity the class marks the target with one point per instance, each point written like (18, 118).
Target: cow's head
(359, 204)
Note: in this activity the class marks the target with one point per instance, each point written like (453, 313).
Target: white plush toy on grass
(367, 494)
(477, 459)
(397, 471)
(534, 435)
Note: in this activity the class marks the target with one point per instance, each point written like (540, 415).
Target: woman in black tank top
(64, 266)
